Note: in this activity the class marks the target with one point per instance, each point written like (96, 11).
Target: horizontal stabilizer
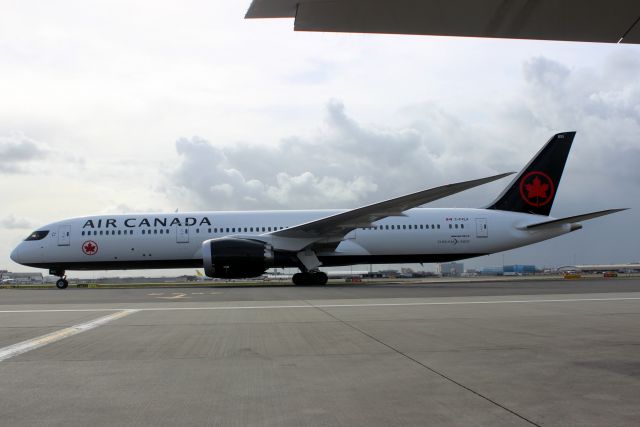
(573, 219)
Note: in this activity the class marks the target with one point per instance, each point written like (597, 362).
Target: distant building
(492, 271)
(519, 270)
(451, 269)
(8, 277)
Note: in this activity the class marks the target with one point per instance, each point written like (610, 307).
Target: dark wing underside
(606, 21)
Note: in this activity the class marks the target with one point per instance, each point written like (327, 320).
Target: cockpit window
(38, 235)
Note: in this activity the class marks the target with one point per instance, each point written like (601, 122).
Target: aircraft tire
(317, 278)
(320, 278)
(62, 284)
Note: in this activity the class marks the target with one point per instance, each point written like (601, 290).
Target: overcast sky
(130, 106)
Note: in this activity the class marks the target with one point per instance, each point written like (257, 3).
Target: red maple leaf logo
(537, 189)
(90, 247)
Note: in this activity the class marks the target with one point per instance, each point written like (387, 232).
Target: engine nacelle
(233, 258)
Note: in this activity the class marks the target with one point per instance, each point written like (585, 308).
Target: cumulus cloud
(342, 164)
(13, 223)
(16, 151)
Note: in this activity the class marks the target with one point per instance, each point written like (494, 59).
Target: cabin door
(481, 227)
(182, 234)
(64, 235)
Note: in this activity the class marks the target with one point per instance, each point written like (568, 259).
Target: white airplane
(247, 243)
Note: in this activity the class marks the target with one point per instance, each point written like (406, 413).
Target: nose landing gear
(62, 282)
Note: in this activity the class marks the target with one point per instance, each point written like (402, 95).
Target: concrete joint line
(425, 366)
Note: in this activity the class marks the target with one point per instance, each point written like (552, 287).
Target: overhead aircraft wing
(342, 223)
(606, 21)
(572, 219)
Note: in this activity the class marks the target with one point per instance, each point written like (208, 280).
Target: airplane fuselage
(144, 241)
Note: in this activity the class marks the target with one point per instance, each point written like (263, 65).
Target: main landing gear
(310, 278)
(62, 282)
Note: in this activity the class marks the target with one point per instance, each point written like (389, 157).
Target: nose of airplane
(15, 254)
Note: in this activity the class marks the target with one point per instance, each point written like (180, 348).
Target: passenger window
(101, 232)
(119, 232)
(82, 233)
(461, 225)
(438, 226)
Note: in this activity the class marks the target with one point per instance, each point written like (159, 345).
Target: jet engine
(230, 257)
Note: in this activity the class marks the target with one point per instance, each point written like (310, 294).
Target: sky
(131, 106)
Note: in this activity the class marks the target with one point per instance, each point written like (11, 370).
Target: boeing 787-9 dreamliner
(245, 244)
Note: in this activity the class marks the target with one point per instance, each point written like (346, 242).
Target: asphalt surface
(495, 354)
(332, 291)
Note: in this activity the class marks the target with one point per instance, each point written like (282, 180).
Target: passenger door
(182, 234)
(481, 227)
(64, 235)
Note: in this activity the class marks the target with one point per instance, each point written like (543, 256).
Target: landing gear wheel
(317, 278)
(62, 284)
(299, 279)
(320, 278)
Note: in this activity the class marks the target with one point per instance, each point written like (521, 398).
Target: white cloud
(11, 222)
(17, 152)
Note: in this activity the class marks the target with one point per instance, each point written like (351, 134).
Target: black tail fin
(534, 188)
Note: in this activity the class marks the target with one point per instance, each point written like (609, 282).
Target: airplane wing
(572, 219)
(605, 21)
(342, 223)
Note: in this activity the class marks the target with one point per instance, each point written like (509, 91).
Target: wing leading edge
(342, 223)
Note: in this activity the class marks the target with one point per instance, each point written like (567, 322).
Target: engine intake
(234, 258)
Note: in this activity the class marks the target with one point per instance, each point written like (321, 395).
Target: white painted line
(32, 344)
(310, 305)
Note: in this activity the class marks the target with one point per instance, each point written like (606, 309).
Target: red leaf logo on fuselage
(536, 188)
(90, 247)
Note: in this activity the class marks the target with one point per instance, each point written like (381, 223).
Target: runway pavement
(535, 353)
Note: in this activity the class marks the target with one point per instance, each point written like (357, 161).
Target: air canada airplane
(247, 243)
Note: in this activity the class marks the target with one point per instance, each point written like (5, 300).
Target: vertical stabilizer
(534, 188)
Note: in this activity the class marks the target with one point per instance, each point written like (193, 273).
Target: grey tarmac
(495, 353)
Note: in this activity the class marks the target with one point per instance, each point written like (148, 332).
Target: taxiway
(496, 353)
